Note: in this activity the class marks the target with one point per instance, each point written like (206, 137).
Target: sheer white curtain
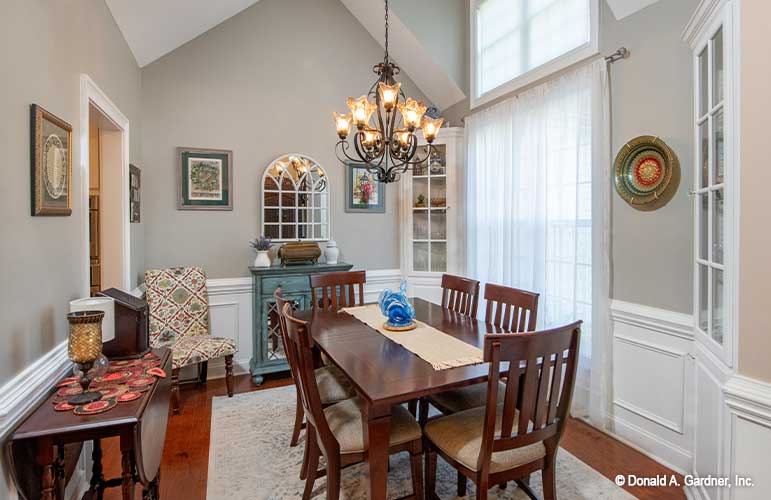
(537, 216)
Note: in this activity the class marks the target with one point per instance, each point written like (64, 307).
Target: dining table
(384, 373)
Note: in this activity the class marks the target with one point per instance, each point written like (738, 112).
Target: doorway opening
(104, 165)
(105, 198)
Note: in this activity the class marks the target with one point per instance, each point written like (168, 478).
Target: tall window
(295, 200)
(516, 42)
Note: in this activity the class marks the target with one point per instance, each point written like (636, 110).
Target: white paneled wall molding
(652, 382)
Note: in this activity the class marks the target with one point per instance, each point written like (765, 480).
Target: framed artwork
(135, 184)
(363, 192)
(204, 179)
(51, 163)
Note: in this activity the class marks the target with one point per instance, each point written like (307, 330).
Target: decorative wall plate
(646, 172)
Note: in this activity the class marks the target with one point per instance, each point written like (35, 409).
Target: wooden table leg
(377, 426)
(45, 458)
(127, 467)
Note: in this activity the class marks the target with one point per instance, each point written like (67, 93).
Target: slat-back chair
(460, 294)
(333, 385)
(328, 426)
(337, 290)
(511, 309)
(498, 443)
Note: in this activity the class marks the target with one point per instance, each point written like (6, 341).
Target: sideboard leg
(258, 379)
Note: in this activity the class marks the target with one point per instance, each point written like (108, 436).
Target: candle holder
(85, 346)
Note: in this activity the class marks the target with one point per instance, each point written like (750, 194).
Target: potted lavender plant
(261, 245)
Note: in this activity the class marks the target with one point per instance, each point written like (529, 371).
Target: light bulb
(361, 110)
(389, 95)
(342, 124)
(431, 128)
(403, 138)
(412, 112)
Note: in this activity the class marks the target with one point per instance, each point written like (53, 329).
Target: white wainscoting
(653, 382)
(20, 395)
(749, 423)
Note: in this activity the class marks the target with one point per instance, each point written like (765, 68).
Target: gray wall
(652, 94)
(442, 27)
(263, 83)
(44, 47)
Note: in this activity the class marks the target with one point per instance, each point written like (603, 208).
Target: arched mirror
(295, 200)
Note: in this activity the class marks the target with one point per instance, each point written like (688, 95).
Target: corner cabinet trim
(268, 352)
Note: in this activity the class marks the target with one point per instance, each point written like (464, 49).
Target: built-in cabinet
(712, 34)
(430, 210)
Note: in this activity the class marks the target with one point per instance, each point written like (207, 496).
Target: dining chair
(510, 309)
(460, 294)
(178, 304)
(333, 384)
(498, 442)
(337, 290)
(337, 431)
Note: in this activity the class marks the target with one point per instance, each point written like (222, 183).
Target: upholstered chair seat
(460, 437)
(346, 422)
(464, 398)
(193, 350)
(333, 385)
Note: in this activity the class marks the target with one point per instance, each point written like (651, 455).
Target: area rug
(250, 459)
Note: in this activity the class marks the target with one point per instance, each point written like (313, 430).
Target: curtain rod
(621, 53)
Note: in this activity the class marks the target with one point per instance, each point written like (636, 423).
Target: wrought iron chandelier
(386, 143)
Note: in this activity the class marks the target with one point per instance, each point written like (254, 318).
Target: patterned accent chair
(179, 319)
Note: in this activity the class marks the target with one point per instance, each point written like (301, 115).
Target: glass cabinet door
(709, 188)
(429, 212)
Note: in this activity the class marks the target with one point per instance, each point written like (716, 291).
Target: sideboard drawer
(288, 284)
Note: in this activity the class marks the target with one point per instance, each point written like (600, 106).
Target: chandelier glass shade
(385, 123)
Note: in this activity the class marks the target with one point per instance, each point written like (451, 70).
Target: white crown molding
(698, 20)
(24, 392)
(227, 286)
(660, 320)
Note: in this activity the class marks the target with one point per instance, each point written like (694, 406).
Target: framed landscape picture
(363, 192)
(51, 163)
(205, 179)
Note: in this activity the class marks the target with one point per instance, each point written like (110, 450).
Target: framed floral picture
(363, 192)
(205, 179)
(51, 165)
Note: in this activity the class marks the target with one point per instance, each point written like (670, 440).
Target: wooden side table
(140, 425)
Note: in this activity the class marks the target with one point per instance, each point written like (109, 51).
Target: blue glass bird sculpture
(397, 308)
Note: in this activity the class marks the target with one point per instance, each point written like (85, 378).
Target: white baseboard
(651, 445)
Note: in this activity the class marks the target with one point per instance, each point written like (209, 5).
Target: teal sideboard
(268, 349)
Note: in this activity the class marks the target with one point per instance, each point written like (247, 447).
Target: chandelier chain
(386, 31)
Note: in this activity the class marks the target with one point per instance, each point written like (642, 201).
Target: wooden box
(132, 326)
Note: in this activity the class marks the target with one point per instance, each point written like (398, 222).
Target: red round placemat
(69, 391)
(113, 377)
(141, 382)
(63, 406)
(156, 371)
(100, 406)
(110, 391)
(129, 396)
(68, 381)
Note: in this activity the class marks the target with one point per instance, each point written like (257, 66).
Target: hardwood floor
(186, 453)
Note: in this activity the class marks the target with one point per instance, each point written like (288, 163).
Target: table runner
(437, 348)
